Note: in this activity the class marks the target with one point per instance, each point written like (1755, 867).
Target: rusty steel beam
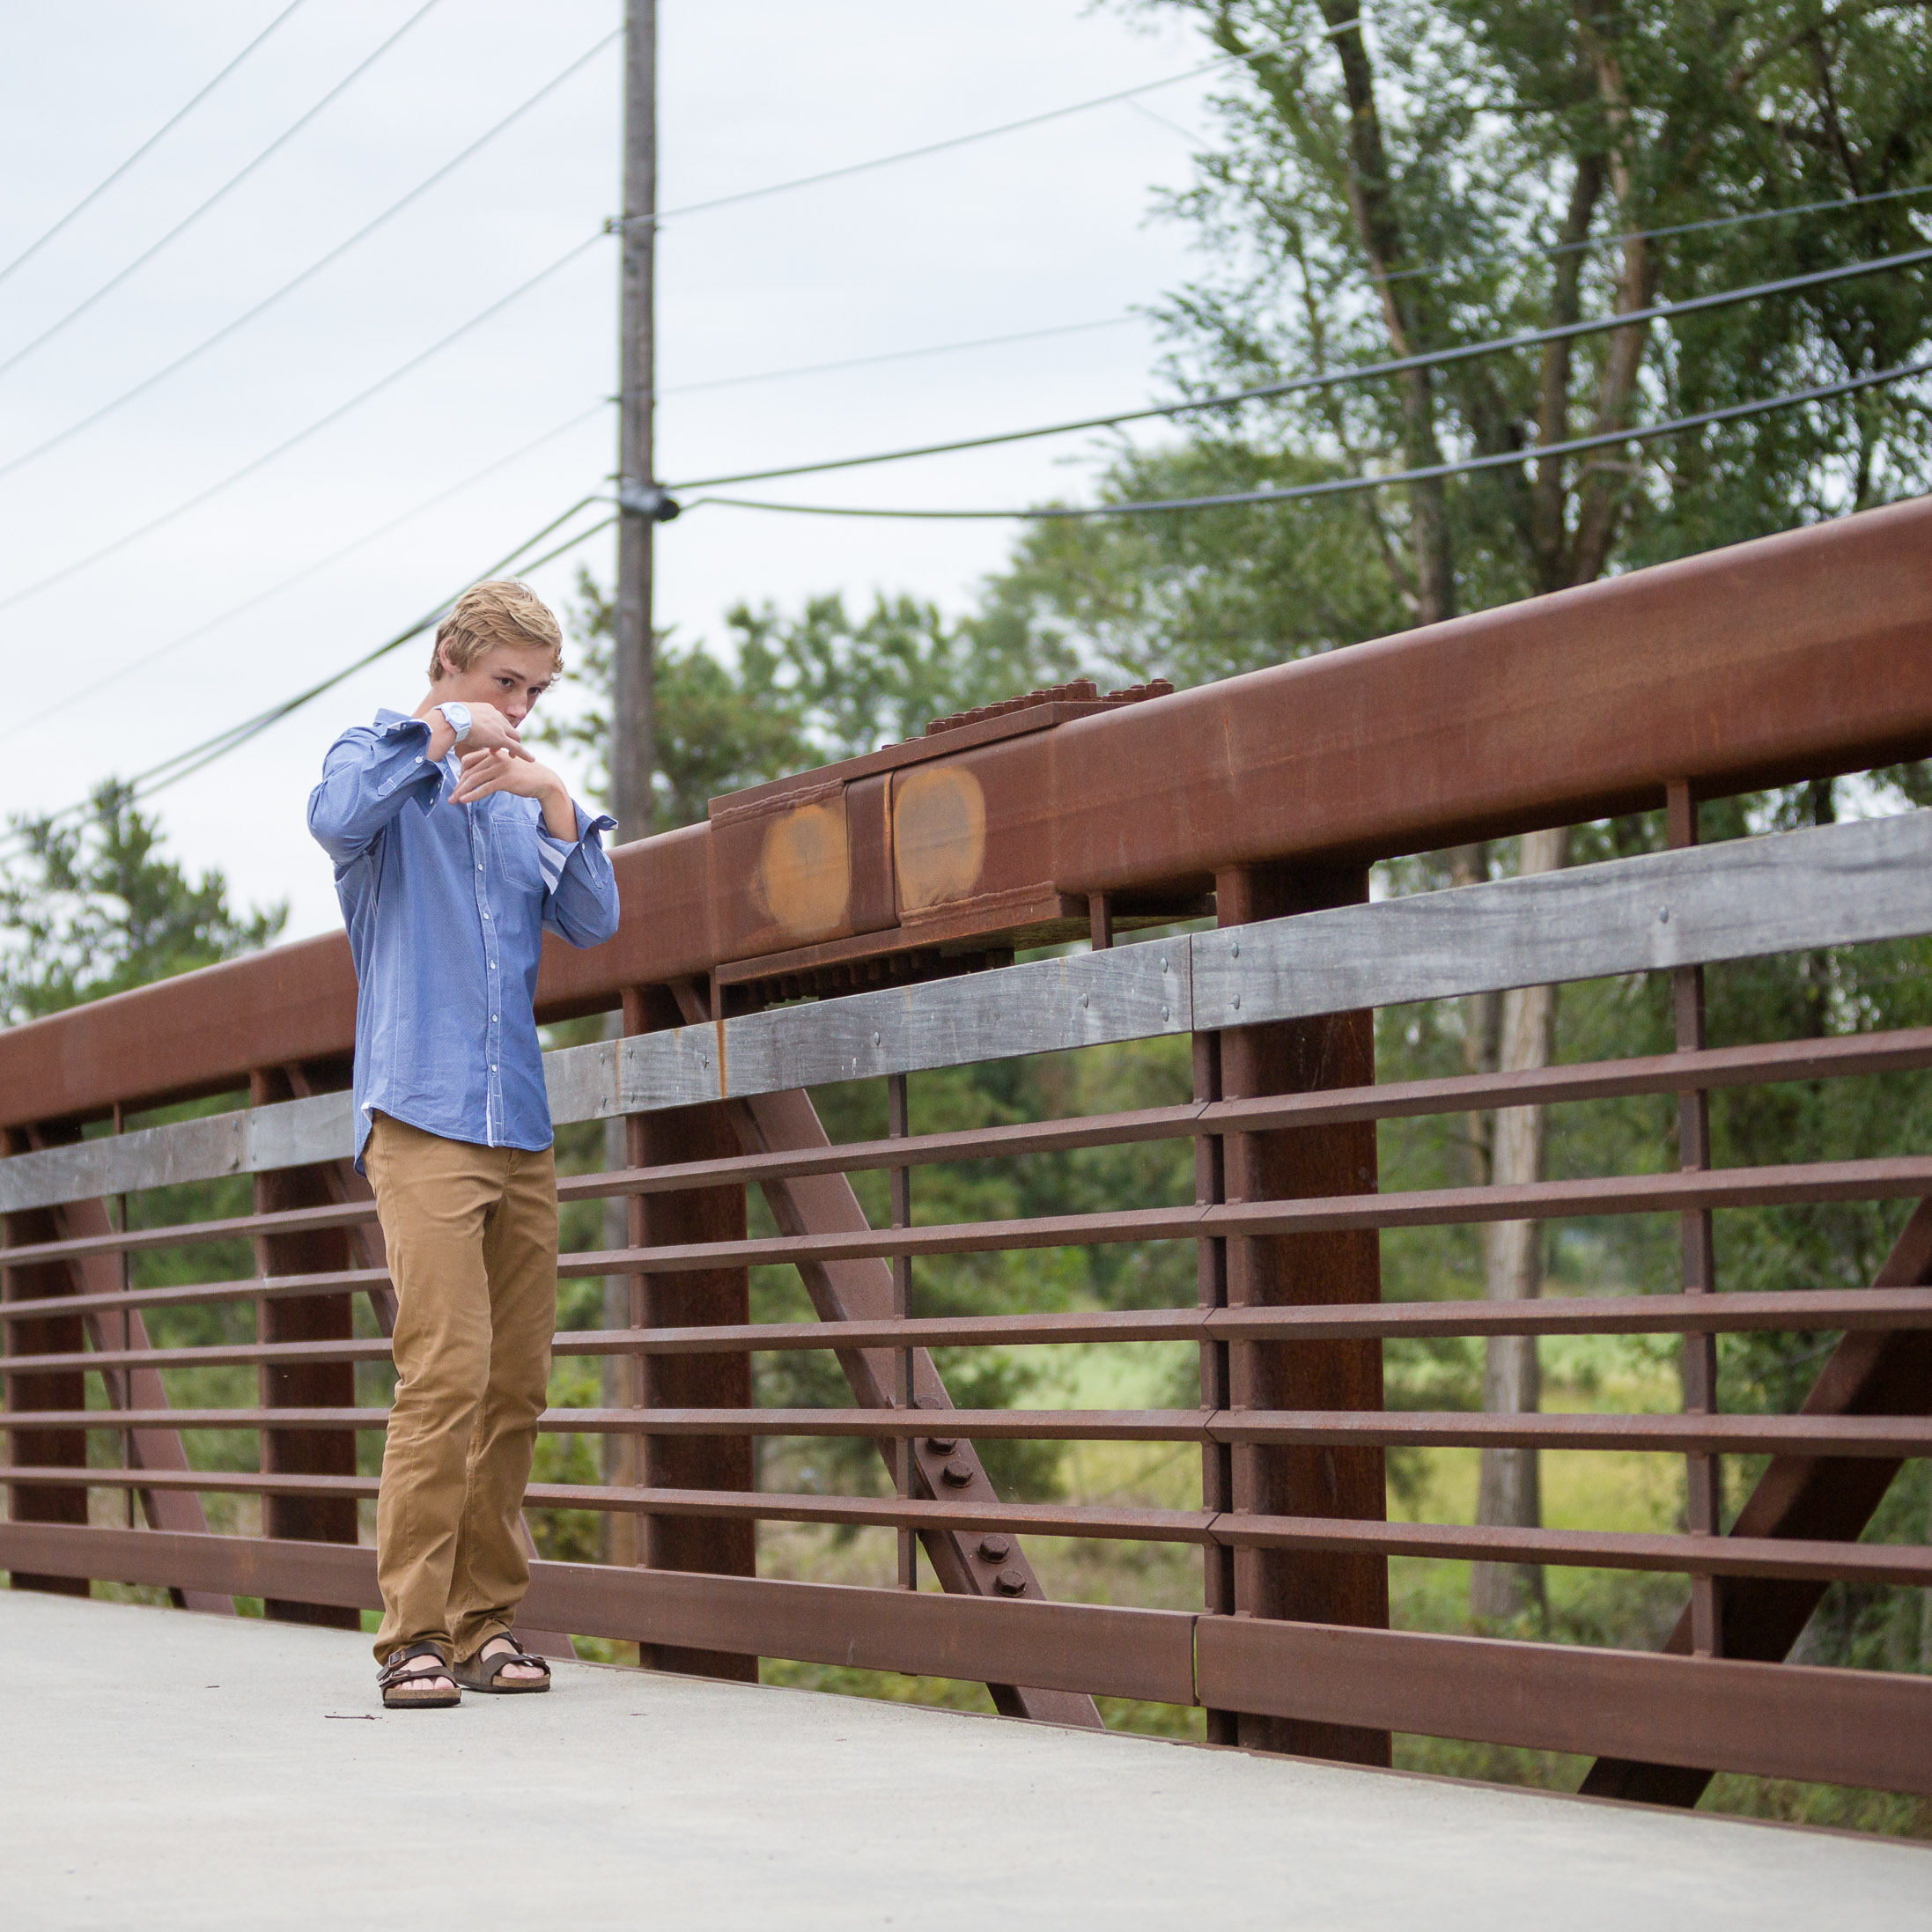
(151, 1450)
(720, 1381)
(1793, 657)
(1804, 1497)
(1070, 1647)
(1850, 1727)
(47, 1284)
(943, 1463)
(1331, 1586)
(1864, 1727)
(1907, 1564)
(299, 1382)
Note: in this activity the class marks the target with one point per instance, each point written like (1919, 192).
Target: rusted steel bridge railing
(874, 887)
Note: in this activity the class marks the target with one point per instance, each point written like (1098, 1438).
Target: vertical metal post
(898, 1125)
(1217, 1458)
(1703, 1474)
(632, 739)
(302, 1385)
(1099, 921)
(1303, 1056)
(118, 1220)
(704, 1297)
(24, 1391)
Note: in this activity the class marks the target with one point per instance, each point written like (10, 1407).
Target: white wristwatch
(457, 717)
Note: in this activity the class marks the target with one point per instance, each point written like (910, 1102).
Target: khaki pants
(472, 1239)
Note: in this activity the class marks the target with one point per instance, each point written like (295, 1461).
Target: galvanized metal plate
(1836, 885)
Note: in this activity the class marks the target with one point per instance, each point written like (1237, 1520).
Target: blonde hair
(502, 611)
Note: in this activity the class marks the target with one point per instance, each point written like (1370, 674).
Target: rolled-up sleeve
(370, 774)
(580, 890)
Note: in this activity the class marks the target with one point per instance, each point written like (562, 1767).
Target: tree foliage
(91, 907)
(1444, 175)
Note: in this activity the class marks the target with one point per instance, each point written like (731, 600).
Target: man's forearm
(559, 812)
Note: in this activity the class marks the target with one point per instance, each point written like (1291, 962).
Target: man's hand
(514, 770)
(489, 731)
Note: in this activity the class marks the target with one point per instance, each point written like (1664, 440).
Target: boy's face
(511, 677)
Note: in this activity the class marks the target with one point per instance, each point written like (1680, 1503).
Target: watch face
(458, 715)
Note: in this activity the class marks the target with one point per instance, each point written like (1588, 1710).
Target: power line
(314, 267)
(184, 765)
(234, 180)
(1428, 359)
(1836, 203)
(301, 436)
(1340, 485)
(167, 127)
(896, 355)
(301, 576)
(617, 221)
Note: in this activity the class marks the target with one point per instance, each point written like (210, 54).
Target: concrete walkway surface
(162, 1770)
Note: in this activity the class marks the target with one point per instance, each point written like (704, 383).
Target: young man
(454, 851)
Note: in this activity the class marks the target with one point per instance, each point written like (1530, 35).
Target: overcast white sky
(1036, 229)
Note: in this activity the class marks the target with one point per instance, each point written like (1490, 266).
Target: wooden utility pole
(641, 504)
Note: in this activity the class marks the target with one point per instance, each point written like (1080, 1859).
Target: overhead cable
(301, 576)
(314, 267)
(659, 217)
(1341, 485)
(167, 128)
(1606, 241)
(301, 436)
(234, 181)
(184, 765)
(893, 355)
(1433, 358)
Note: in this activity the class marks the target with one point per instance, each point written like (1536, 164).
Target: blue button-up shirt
(446, 906)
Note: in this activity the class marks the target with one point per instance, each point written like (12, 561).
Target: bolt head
(958, 1473)
(942, 1445)
(1011, 1581)
(994, 1549)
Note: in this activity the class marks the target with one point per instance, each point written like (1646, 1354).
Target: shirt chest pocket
(513, 837)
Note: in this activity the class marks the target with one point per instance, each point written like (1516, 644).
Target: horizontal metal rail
(1860, 1436)
(1783, 1720)
(1888, 1178)
(1833, 885)
(1739, 1312)
(1904, 1176)
(1847, 1056)
(1900, 1565)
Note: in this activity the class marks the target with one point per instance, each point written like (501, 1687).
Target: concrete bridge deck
(166, 1770)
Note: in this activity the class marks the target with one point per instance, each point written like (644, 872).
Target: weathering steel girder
(1795, 656)
(1789, 891)
(1897, 1565)
(1855, 1435)
(1889, 1177)
(1883, 1310)
(1869, 1729)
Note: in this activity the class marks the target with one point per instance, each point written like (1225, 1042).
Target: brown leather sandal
(406, 1690)
(481, 1673)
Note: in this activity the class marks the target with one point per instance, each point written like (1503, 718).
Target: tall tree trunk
(1482, 1025)
(1509, 1494)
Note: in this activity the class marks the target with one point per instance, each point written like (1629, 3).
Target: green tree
(91, 907)
(794, 691)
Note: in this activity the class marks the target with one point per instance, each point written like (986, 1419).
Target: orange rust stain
(804, 877)
(939, 835)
